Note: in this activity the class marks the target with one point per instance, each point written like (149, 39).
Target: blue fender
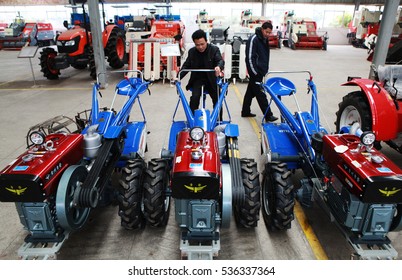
(135, 139)
(280, 144)
(175, 128)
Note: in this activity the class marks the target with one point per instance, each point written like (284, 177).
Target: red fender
(106, 34)
(383, 110)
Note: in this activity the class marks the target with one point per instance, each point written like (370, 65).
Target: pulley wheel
(69, 216)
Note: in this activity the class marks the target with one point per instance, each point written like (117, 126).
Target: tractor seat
(387, 75)
(281, 86)
(128, 87)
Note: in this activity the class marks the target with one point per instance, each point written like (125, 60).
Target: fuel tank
(35, 174)
(369, 175)
(196, 172)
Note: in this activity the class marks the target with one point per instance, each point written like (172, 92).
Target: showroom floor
(25, 102)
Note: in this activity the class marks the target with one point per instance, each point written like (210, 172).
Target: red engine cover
(371, 182)
(35, 174)
(196, 178)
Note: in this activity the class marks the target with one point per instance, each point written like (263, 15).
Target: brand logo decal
(53, 171)
(195, 189)
(387, 192)
(18, 191)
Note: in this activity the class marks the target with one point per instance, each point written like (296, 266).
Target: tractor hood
(72, 33)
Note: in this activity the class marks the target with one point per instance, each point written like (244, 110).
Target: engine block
(367, 174)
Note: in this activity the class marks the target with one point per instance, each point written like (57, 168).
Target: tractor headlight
(367, 138)
(37, 137)
(70, 43)
(196, 133)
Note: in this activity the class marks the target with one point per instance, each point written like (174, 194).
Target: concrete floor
(24, 104)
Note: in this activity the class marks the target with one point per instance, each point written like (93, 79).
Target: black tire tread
(155, 183)
(114, 60)
(130, 194)
(282, 201)
(247, 215)
(45, 64)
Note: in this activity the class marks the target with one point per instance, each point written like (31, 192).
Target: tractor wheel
(92, 66)
(247, 215)
(79, 66)
(115, 48)
(47, 57)
(156, 201)
(354, 108)
(396, 224)
(277, 196)
(130, 194)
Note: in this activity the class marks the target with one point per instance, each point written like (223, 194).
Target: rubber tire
(46, 58)
(156, 201)
(92, 66)
(354, 101)
(116, 41)
(130, 194)
(396, 224)
(247, 215)
(278, 196)
(79, 66)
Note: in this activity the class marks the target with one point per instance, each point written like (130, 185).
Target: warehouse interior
(31, 92)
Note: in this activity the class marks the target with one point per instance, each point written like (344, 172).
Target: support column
(97, 43)
(263, 4)
(384, 34)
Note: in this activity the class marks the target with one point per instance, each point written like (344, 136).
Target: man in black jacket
(257, 62)
(202, 56)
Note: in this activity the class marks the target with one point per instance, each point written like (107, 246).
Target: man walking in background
(257, 62)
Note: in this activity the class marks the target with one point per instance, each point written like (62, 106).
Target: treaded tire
(396, 224)
(277, 196)
(79, 66)
(92, 66)
(156, 201)
(354, 108)
(247, 215)
(115, 48)
(47, 58)
(130, 194)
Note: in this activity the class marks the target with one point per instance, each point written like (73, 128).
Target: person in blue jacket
(202, 56)
(257, 63)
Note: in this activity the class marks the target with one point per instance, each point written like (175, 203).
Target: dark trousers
(197, 91)
(254, 90)
(196, 95)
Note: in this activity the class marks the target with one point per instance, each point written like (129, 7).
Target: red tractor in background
(75, 48)
(364, 24)
(20, 33)
(394, 54)
(146, 50)
(376, 106)
(364, 29)
(301, 33)
(250, 21)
